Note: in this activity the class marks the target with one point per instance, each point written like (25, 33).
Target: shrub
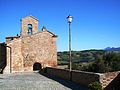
(95, 86)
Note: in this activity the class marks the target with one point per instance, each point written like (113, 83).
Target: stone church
(29, 51)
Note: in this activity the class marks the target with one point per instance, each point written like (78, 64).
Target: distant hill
(80, 56)
(84, 56)
(112, 49)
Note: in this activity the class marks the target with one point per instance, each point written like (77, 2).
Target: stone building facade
(31, 50)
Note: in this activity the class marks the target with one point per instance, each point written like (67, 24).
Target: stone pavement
(35, 81)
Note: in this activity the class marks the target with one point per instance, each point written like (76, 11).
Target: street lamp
(69, 18)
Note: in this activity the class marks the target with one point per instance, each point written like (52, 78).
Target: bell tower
(29, 26)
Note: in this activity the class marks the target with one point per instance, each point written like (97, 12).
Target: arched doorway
(37, 66)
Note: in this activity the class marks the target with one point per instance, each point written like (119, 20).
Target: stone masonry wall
(39, 48)
(25, 22)
(106, 78)
(30, 48)
(24, 52)
(14, 56)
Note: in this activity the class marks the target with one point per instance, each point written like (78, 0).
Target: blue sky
(96, 23)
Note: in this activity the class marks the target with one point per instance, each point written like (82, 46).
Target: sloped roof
(51, 33)
(48, 31)
(31, 17)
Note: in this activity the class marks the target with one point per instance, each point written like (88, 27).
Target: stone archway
(37, 66)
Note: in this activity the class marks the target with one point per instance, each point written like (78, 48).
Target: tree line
(98, 61)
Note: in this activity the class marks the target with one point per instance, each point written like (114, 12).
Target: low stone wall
(62, 73)
(84, 78)
(80, 77)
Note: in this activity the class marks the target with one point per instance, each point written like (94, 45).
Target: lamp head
(69, 18)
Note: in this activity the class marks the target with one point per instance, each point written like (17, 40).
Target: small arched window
(29, 29)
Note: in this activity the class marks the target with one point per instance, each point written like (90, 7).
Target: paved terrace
(35, 81)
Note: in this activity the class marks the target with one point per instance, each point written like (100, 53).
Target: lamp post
(69, 18)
